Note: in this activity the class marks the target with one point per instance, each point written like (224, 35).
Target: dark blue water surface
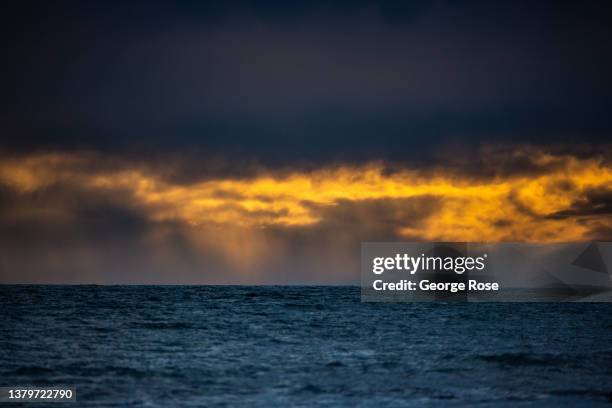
(164, 346)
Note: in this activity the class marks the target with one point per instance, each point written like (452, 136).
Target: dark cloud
(62, 216)
(594, 202)
(328, 251)
(312, 81)
(65, 234)
(509, 160)
(378, 218)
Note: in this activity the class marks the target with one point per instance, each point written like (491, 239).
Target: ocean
(266, 346)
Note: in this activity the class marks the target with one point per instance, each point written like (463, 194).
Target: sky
(259, 142)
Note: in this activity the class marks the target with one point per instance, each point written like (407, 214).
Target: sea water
(265, 346)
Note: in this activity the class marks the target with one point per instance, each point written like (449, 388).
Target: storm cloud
(305, 81)
(262, 141)
(92, 218)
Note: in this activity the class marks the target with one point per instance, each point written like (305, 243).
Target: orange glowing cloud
(554, 203)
